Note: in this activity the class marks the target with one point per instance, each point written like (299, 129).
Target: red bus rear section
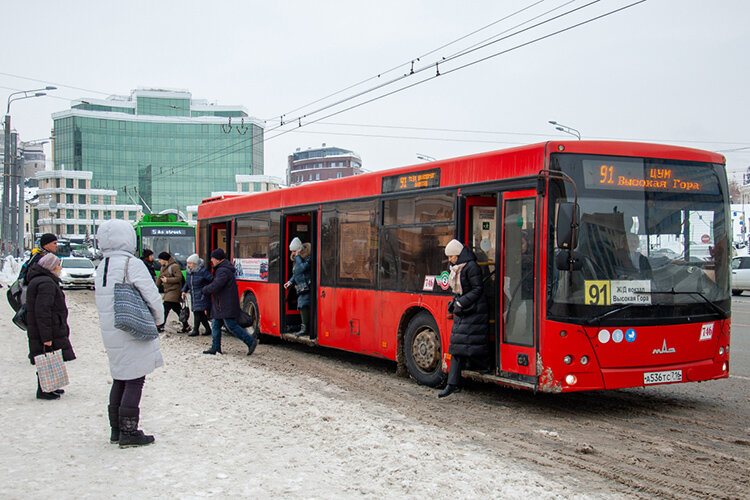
(606, 264)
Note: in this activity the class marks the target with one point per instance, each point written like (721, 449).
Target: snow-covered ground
(226, 427)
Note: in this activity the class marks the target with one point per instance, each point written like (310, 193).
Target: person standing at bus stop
(225, 304)
(197, 278)
(47, 244)
(470, 332)
(301, 281)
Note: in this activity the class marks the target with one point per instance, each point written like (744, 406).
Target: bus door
(220, 238)
(481, 237)
(300, 226)
(516, 350)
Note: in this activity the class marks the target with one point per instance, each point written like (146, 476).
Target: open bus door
(301, 226)
(517, 343)
(220, 238)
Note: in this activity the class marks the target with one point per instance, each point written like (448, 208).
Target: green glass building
(159, 148)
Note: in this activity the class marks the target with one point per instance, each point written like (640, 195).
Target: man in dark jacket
(225, 304)
(47, 244)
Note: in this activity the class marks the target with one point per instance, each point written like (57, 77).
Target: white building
(245, 184)
(68, 207)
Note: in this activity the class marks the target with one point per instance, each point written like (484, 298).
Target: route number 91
(597, 293)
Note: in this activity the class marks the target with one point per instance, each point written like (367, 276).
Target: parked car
(740, 275)
(77, 272)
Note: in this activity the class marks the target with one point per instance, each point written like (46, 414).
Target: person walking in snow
(197, 278)
(130, 359)
(225, 304)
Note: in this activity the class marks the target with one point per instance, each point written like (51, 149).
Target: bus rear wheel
(250, 306)
(423, 350)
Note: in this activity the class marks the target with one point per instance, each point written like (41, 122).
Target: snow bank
(10, 268)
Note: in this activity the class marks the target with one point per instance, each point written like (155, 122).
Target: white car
(740, 274)
(77, 271)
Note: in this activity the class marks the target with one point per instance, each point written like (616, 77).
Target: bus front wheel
(423, 350)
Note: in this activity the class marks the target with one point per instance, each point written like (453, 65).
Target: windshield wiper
(724, 314)
(593, 320)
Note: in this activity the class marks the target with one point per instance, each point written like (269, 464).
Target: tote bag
(51, 370)
(132, 315)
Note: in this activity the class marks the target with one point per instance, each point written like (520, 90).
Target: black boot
(449, 389)
(45, 395)
(130, 436)
(302, 331)
(194, 333)
(114, 423)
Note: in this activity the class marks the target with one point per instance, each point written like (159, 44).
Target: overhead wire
(227, 150)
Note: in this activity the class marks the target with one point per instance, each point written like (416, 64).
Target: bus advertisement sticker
(443, 280)
(603, 336)
(630, 335)
(429, 283)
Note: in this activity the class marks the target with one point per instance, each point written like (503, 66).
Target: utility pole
(13, 182)
(5, 223)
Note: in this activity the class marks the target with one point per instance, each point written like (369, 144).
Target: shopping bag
(51, 370)
(132, 315)
(184, 312)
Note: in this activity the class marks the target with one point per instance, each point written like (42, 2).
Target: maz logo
(664, 349)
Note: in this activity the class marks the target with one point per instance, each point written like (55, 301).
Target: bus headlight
(568, 359)
(723, 367)
(570, 379)
(721, 351)
(584, 360)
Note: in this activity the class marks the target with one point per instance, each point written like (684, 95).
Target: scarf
(454, 280)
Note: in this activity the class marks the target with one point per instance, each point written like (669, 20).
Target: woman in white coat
(130, 359)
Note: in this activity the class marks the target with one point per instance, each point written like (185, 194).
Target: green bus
(165, 233)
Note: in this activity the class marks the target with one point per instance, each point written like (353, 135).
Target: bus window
(518, 272)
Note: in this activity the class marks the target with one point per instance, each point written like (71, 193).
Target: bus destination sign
(167, 231)
(411, 181)
(634, 175)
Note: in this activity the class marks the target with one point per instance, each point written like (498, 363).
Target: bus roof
(522, 161)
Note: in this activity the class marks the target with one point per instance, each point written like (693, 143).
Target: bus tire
(423, 350)
(250, 306)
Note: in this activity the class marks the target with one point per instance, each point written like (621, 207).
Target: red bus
(606, 263)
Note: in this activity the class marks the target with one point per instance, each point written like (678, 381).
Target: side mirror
(567, 221)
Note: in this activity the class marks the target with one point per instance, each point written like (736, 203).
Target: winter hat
(164, 256)
(453, 247)
(146, 253)
(194, 259)
(218, 254)
(49, 261)
(46, 239)
(295, 245)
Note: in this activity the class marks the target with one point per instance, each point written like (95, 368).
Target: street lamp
(12, 223)
(566, 129)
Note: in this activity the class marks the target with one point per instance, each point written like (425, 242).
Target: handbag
(15, 295)
(132, 315)
(244, 319)
(184, 312)
(51, 370)
(303, 287)
(19, 319)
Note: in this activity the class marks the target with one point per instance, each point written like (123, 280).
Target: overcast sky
(672, 71)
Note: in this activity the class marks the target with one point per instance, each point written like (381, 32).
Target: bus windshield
(177, 241)
(652, 240)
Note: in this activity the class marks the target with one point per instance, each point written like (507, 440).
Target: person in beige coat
(170, 277)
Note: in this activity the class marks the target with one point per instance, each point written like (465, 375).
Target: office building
(67, 205)
(159, 147)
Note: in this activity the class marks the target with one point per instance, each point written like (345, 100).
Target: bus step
(290, 337)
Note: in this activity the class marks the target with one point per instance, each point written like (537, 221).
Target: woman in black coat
(47, 315)
(470, 332)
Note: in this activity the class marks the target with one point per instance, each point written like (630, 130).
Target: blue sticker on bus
(617, 336)
(630, 335)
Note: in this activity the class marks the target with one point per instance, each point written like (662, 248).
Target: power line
(411, 61)
(54, 83)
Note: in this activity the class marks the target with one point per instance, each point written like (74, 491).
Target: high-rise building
(160, 148)
(322, 163)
